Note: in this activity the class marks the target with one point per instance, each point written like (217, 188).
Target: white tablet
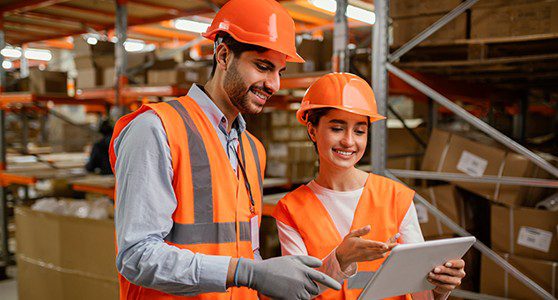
(406, 268)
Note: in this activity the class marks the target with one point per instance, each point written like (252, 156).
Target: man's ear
(222, 54)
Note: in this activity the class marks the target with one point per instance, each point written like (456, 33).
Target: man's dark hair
(236, 47)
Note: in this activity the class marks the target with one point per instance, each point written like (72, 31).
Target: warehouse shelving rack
(382, 63)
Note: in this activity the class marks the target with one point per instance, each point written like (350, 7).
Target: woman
(371, 212)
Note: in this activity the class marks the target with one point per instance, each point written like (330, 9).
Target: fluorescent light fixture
(7, 64)
(353, 12)
(11, 52)
(38, 54)
(192, 26)
(134, 45)
(149, 47)
(360, 14)
(91, 40)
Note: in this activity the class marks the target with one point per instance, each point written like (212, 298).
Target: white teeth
(260, 95)
(343, 152)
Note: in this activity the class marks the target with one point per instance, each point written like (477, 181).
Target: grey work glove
(286, 277)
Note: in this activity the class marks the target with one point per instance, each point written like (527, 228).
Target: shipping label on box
(471, 164)
(524, 231)
(534, 238)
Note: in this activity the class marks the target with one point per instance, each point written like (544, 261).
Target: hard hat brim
(300, 114)
(291, 56)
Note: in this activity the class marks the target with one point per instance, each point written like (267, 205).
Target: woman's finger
(449, 271)
(455, 263)
(445, 279)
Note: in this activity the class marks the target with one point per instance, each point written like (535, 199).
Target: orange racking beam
(34, 27)
(91, 11)
(26, 5)
(54, 26)
(60, 18)
(169, 9)
(158, 32)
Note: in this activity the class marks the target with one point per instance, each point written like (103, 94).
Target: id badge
(255, 233)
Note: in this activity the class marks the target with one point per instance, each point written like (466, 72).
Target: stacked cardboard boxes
(526, 235)
(452, 153)
(527, 238)
(40, 82)
(412, 17)
(169, 72)
(95, 64)
(511, 19)
(290, 153)
(317, 55)
(63, 257)
(446, 199)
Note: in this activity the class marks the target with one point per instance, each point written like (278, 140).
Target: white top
(341, 207)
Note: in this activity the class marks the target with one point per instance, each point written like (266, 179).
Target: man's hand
(447, 277)
(355, 249)
(286, 277)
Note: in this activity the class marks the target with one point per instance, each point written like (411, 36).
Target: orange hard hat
(263, 23)
(343, 91)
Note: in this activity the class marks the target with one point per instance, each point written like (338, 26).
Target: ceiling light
(353, 12)
(134, 45)
(91, 40)
(7, 64)
(10, 52)
(189, 25)
(38, 54)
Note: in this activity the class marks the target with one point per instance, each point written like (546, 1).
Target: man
(189, 177)
(98, 162)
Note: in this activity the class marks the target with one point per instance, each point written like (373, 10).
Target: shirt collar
(213, 113)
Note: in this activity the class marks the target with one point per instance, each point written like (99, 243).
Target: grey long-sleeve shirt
(146, 202)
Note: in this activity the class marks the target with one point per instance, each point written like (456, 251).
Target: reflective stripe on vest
(204, 231)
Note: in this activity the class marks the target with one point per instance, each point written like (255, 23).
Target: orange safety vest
(382, 205)
(213, 205)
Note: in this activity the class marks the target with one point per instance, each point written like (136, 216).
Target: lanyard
(246, 182)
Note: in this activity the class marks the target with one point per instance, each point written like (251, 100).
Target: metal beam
(4, 254)
(506, 180)
(458, 110)
(121, 28)
(431, 29)
(479, 245)
(340, 38)
(380, 85)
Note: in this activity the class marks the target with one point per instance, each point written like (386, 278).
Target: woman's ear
(311, 131)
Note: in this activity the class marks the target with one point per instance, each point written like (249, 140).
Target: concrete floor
(8, 288)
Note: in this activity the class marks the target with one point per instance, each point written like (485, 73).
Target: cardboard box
(61, 257)
(317, 55)
(525, 231)
(448, 201)
(109, 77)
(447, 152)
(88, 78)
(496, 281)
(292, 152)
(404, 29)
(48, 82)
(405, 8)
(514, 20)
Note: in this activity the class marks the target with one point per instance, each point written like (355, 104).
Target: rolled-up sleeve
(143, 217)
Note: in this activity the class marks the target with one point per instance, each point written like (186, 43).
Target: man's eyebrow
(269, 64)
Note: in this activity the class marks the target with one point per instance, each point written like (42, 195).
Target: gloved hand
(286, 277)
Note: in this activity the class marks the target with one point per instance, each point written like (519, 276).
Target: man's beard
(237, 91)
